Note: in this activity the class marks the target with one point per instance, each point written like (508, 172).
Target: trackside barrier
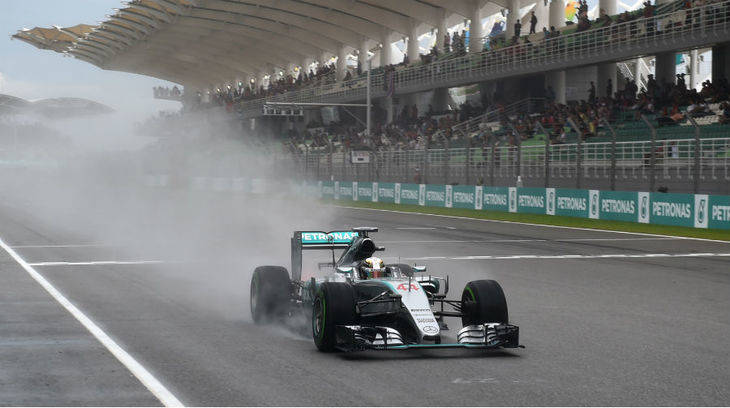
(686, 210)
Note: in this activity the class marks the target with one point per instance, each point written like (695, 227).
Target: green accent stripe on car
(468, 289)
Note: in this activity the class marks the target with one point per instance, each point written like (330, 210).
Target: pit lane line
(141, 373)
(567, 256)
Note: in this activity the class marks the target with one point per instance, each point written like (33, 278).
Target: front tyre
(482, 302)
(270, 294)
(334, 304)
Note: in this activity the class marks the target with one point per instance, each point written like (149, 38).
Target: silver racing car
(364, 303)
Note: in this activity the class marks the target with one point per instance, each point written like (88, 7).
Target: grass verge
(722, 235)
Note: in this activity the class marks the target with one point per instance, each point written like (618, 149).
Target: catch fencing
(681, 165)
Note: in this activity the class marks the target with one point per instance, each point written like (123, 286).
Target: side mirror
(345, 269)
(419, 269)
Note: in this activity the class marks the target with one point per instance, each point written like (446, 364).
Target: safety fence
(693, 165)
(687, 210)
(681, 28)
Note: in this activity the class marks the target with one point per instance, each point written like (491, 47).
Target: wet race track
(606, 318)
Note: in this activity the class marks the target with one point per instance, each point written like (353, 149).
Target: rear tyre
(334, 304)
(483, 302)
(270, 294)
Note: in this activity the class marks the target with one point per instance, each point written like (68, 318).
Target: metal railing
(602, 164)
(693, 27)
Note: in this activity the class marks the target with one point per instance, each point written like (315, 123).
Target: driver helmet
(372, 267)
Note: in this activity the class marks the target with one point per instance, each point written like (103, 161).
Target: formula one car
(364, 304)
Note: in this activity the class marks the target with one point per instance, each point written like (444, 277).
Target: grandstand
(592, 96)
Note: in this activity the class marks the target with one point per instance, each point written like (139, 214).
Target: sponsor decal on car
(404, 287)
(335, 237)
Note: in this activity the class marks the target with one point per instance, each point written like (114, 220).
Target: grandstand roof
(58, 39)
(205, 42)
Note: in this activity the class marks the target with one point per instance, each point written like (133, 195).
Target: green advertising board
(327, 190)
(363, 191)
(688, 210)
(619, 206)
(386, 193)
(567, 202)
(718, 211)
(463, 197)
(531, 200)
(435, 195)
(672, 209)
(407, 193)
(345, 190)
(495, 199)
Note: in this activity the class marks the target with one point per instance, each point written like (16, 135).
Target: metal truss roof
(205, 42)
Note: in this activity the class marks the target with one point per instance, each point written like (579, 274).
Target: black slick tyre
(270, 294)
(482, 302)
(334, 304)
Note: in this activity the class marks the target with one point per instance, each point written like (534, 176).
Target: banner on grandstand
(687, 210)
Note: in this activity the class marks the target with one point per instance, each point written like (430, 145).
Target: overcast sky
(31, 73)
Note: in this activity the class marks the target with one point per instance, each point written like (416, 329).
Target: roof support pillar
(306, 64)
(556, 81)
(442, 30)
(475, 28)
(694, 69)
(362, 58)
(557, 13)
(413, 47)
(665, 67)
(606, 73)
(341, 63)
(513, 14)
(386, 54)
(609, 6)
(721, 61)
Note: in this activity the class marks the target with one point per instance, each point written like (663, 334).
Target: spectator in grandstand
(648, 12)
(447, 42)
(698, 108)
(533, 22)
(518, 28)
(724, 114)
(604, 20)
(583, 23)
(583, 8)
(497, 28)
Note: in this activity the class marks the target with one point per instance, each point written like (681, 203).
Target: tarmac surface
(607, 319)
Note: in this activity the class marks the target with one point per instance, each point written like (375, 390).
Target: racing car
(364, 304)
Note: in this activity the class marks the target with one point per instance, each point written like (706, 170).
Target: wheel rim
(318, 318)
(254, 297)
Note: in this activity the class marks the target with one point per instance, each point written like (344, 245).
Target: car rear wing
(305, 240)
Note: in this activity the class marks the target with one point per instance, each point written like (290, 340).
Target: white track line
(144, 376)
(415, 228)
(531, 224)
(88, 263)
(62, 246)
(567, 256)
(488, 241)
